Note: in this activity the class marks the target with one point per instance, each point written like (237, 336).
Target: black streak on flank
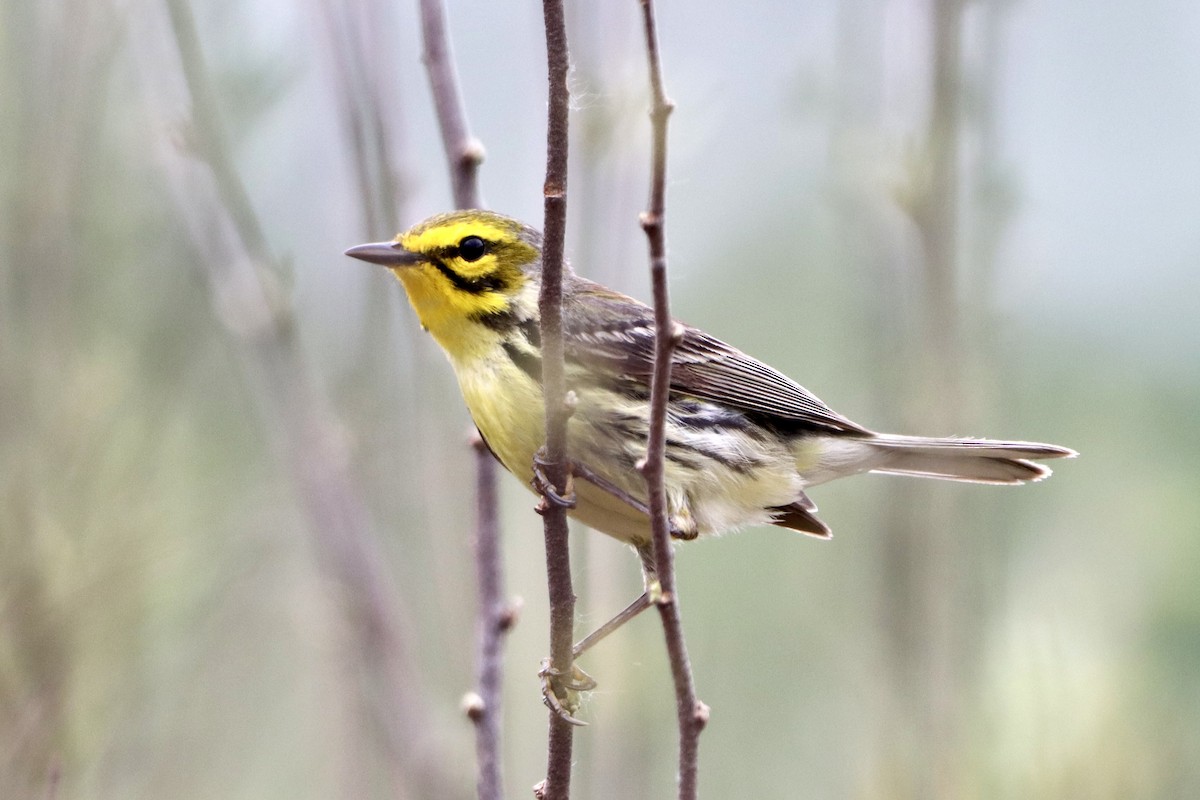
(528, 363)
(677, 451)
(675, 456)
(532, 330)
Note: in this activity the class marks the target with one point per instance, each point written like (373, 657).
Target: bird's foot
(546, 488)
(560, 692)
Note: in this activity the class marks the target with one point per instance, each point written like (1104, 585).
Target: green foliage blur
(217, 457)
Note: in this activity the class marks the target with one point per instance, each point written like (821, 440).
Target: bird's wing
(609, 332)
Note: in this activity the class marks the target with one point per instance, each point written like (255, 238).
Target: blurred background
(236, 503)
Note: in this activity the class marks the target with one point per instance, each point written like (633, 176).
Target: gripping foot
(560, 692)
(546, 488)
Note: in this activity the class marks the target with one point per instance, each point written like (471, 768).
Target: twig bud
(511, 613)
(649, 220)
(700, 714)
(474, 707)
(473, 151)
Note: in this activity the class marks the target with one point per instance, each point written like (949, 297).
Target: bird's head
(461, 268)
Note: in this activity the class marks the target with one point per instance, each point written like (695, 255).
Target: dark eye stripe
(484, 283)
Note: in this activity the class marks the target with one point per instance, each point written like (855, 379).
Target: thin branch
(463, 155)
(463, 151)
(557, 785)
(691, 713)
(496, 618)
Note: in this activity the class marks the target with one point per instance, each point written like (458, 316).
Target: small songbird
(743, 441)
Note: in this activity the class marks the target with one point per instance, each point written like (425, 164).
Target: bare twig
(462, 150)
(463, 155)
(692, 714)
(496, 617)
(557, 785)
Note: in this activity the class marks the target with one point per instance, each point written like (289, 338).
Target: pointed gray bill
(389, 254)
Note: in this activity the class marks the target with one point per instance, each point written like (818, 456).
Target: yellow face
(458, 269)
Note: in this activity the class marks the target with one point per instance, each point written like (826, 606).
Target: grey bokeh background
(171, 624)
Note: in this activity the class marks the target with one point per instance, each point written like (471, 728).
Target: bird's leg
(639, 605)
(681, 525)
(646, 599)
(560, 690)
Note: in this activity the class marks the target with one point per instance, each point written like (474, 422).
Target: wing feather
(613, 333)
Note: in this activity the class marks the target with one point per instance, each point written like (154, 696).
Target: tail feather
(973, 460)
(801, 515)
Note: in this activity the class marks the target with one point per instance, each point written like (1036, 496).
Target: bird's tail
(973, 460)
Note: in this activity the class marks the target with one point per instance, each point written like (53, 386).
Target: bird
(744, 442)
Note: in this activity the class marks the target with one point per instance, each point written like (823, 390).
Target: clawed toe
(545, 487)
(560, 692)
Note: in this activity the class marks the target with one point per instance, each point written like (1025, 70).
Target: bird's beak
(389, 254)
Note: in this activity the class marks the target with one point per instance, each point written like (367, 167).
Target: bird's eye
(471, 248)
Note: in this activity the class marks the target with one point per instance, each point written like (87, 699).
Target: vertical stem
(462, 150)
(463, 155)
(495, 618)
(691, 713)
(558, 557)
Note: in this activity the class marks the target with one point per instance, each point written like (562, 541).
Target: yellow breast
(506, 406)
